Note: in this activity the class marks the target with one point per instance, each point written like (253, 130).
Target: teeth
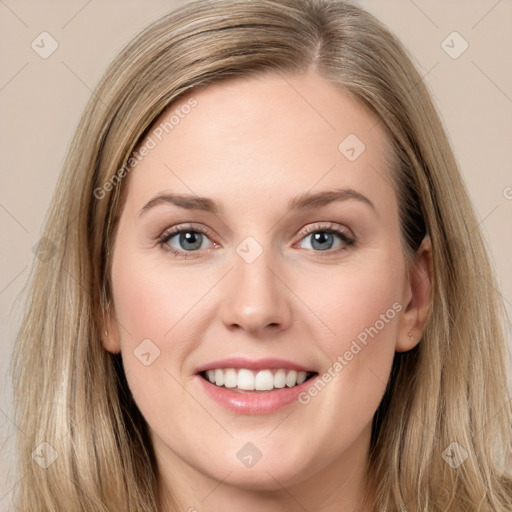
(245, 380)
(249, 380)
(219, 377)
(230, 378)
(280, 379)
(291, 378)
(301, 377)
(264, 380)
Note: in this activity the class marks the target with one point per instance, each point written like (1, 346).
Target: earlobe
(417, 297)
(110, 332)
(110, 342)
(410, 341)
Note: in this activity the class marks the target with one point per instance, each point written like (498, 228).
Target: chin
(264, 475)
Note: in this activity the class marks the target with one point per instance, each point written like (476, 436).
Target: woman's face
(259, 245)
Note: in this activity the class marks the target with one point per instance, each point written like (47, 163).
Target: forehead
(243, 139)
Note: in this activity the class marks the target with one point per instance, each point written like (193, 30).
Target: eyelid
(321, 226)
(190, 226)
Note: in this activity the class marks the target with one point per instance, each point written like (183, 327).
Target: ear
(416, 296)
(110, 331)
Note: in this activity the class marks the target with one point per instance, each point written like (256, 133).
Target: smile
(244, 379)
(246, 386)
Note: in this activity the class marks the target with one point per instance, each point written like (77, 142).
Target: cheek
(151, 299)
(151, 305)
(359, 302)
(361, 305)
(162, 314)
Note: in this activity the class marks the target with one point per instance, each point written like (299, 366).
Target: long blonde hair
(72, 394)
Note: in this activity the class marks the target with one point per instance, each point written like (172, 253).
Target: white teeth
(291, 378)
(280, 379)
(245, 380)
(230, 378)
(219, 377)
(249, 380)
(264, 380)
(301, 377)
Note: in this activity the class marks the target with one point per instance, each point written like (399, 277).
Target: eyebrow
(300, 202)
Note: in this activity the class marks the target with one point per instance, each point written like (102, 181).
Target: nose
(256, 298)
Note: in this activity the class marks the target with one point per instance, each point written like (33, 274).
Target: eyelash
(347, 240)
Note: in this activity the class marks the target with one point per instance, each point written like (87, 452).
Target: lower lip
(257, 402)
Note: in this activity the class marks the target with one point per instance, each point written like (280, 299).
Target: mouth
(249, 386)
(245, 380)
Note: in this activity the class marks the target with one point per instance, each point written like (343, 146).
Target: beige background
(42, 99)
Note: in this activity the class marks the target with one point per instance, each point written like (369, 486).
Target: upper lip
(254, 364)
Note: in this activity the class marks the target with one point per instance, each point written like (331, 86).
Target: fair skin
(251, 145)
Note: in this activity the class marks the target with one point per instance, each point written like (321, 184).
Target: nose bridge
(256, 297)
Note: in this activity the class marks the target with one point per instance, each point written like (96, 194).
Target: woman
(264, 294)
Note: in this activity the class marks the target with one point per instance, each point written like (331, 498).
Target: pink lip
(253, 402)
(253, 364)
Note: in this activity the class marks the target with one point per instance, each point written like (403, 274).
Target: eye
(323, 238)
(184, 241)
(188, 239)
